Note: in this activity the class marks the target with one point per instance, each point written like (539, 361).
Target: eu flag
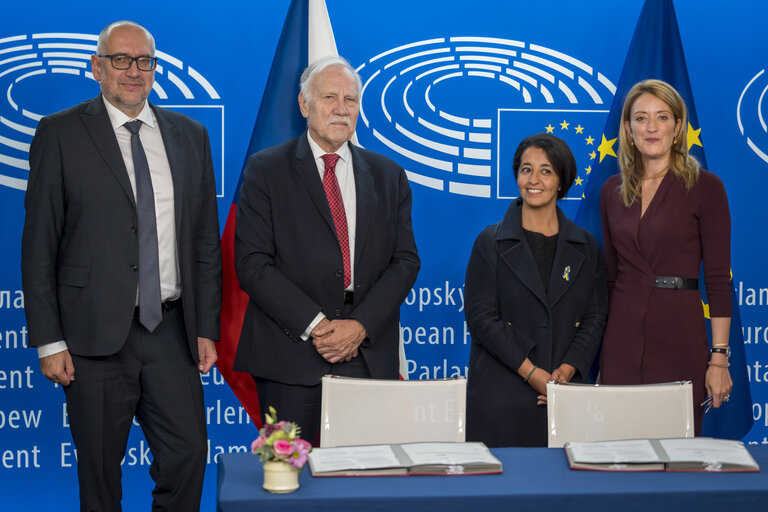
(306, 36)
(656, 51)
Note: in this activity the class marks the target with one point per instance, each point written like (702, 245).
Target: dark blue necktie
(150, 309)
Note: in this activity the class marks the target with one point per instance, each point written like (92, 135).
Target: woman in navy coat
(536, 302)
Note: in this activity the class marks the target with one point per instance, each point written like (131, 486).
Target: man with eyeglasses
(121, 269)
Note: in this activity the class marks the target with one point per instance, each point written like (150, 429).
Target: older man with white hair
(325, 250)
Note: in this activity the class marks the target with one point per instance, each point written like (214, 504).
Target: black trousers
(154, 378)
(301, 404)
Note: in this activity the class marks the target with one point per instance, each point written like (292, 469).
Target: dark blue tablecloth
(533, 479)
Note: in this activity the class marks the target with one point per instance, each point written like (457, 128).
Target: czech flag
(306, 37)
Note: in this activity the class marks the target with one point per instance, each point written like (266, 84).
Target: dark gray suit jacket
(80, 246)
(289, 262)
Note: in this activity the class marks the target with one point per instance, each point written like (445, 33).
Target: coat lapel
(174, 151)
(568, 258)
(365, 199)
(96, 121)
(304, 166)
(637, 224)
(515, 253)
(648, 220)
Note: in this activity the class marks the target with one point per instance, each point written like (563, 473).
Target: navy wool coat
(511, 316)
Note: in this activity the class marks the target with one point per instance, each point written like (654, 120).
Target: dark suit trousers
(154, 378)
(302, 404)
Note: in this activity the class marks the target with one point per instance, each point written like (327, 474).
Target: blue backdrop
(450, 88)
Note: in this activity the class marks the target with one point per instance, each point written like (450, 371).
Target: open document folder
(404, 459)
(688, 454)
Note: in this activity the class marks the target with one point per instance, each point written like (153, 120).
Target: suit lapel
(516, 254)
(304, 166)
(634, 223)
(174, 151)
(365, 199)
(568, 259)
(98, 125)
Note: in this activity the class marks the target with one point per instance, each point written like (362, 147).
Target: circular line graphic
(23, 57)
(750, 114)
(407, 109)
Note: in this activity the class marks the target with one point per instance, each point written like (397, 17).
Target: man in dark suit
(325, 250)
(121, 268)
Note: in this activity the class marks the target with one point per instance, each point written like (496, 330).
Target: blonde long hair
(683, 166)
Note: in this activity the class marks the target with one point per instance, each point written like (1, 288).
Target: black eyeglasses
(120, 61)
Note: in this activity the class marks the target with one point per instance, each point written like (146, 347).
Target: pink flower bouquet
(279, 440)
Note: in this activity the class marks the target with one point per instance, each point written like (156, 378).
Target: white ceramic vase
(280, 477)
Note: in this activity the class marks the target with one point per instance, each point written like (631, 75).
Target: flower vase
(280, 477)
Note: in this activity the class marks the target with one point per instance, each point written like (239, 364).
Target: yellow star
(606, 148)
(582, 195)
(549, 128)
(588, 169)
(592, 155)
(589, 140)
(693, 137)
(579, 129)
(578, 181)
(564, 125)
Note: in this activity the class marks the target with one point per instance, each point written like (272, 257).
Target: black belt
(677, 283)
(349, 297)
(166, 307)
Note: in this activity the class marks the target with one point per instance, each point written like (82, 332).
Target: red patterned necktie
(333, 193)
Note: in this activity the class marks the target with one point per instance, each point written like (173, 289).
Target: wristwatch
(726, 351)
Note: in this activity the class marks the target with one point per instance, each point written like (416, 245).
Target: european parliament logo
(44, 73)
(752, 114)
(452, 110)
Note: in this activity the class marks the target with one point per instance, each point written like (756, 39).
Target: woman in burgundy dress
(662, 216)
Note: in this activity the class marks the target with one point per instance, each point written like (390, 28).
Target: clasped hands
(338, 340)
(540, 377)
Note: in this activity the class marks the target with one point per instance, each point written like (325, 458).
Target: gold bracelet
(531, 373)
(719, 365)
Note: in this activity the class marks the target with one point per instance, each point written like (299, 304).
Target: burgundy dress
(655, 334)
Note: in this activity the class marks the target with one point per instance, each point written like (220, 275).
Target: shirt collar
(118, 118)
(318, 152)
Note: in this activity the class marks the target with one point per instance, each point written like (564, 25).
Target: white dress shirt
(345, 176)
(162, 185)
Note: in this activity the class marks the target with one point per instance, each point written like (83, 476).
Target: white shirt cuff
(51, 348)
(305, 335)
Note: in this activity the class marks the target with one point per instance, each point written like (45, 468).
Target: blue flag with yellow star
(656, 51)
(577, 127)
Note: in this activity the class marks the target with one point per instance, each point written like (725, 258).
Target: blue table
(534, 479)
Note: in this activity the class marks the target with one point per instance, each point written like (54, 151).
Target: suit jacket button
(338, 312)
(577, 324)
(134, 268)
(339, 273)
(134, 229)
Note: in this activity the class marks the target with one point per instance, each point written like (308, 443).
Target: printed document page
(449, 454)
(353, 457)
(723, 451)
(636, 450)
